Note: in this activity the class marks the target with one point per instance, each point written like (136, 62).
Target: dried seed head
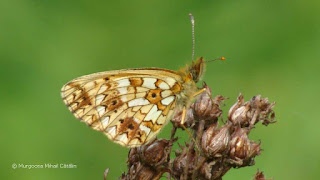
(264, 107)
(148, 161)
(215, 141)
(249, 113)
(242, 149)
(153, 154)
(140, 172)
(133, 156)
(218, 149)
(189, 119)
(238, 104)
(238, 113)
(184, 160)
(157, 152)
(239, 144)
(147, 173)
(206, 108)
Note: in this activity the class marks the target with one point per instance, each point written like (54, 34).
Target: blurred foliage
(272, 48)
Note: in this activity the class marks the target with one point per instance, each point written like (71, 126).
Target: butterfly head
(196, 70)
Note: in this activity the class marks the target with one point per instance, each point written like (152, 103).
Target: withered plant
(213, 149)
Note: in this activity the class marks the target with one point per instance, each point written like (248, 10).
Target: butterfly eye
(114, 102)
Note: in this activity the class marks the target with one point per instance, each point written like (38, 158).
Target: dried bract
(206, 108)
(183, 161)
(139, 172)
(152, 154)
(236, 106)
(242, 149)
(264, 109)
(149, 161)
(215, 141)
(249, 113)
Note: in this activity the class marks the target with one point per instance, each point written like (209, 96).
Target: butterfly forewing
(129, 106)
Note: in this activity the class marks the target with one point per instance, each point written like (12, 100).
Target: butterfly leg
(183, 117)
(199, 92)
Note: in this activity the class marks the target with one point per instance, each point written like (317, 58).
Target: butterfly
(131, 106)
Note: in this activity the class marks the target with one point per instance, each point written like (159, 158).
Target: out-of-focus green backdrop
(272, 48)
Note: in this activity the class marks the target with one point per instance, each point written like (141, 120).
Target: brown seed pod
(206, 108)
(249, 113)
(215, 141)
(153, 154)
(183, 161)
(242, 149)
(138, 171)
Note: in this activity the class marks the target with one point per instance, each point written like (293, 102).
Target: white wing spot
(156, 116)
(145, 129)
(123, 138)
(163, 85)
(136, 120)
(99, 98)
(112, 131)
(149, 83)
(153, 110)
(138, 102)
(166, 93)
(124, 98)
(105, 121)
(123, 90)
(101, 110)
(170, 81)
(123, 82)
(102, 89)
(168, 100)
(153, 114)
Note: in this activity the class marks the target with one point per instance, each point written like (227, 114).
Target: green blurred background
(272, 48)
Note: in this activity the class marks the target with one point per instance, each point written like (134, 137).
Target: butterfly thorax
(186, 96)
(191, 74)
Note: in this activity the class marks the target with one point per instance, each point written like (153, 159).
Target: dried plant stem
(212, 150)
(198, 161)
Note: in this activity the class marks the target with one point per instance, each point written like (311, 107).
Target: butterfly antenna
(222, 58)
(193, 37)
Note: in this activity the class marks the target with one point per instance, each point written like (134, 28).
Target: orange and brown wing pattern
(129, 106)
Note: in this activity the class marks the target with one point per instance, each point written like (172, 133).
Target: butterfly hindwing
(129, 106)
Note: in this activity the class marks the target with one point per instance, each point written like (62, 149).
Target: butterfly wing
(129, 106)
